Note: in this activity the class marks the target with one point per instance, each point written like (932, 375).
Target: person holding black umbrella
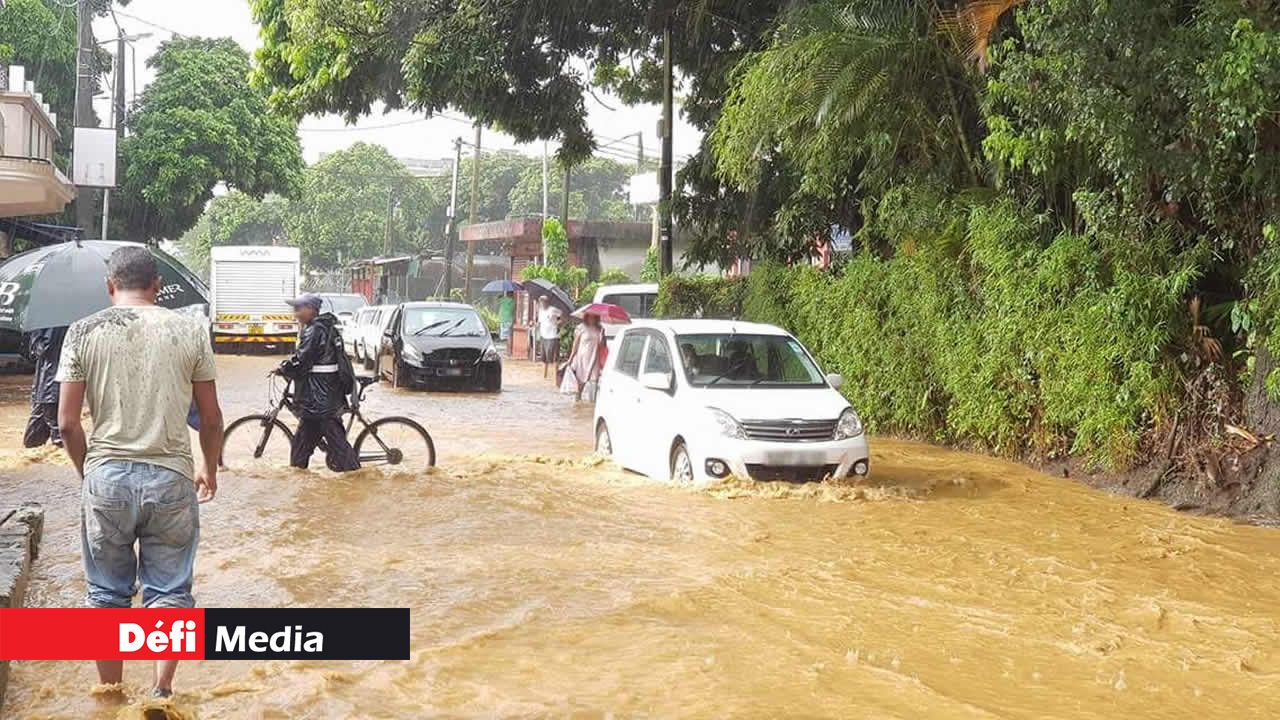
(44, 348)
(549, 321)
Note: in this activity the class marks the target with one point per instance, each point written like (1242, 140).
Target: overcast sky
(403, 133)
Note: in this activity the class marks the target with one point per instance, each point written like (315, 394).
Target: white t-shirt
(137, 364)
(549, 322)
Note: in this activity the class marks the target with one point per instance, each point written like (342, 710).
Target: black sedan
(439, 344)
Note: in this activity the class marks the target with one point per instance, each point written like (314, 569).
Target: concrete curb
(20, 532)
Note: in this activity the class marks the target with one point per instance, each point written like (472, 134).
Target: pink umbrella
(608, 312)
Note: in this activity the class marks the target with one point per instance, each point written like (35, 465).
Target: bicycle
(392, 440)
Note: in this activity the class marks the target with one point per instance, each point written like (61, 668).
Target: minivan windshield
(442, 321)
(742, 360)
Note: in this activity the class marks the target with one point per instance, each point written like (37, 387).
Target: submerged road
(543, 582)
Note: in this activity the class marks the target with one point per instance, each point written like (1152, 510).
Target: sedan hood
(760, 403)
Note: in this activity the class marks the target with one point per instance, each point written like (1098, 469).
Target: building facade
(31, 183)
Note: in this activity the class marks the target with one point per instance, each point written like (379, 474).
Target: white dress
(585, 365)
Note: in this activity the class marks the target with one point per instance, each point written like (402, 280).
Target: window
(637, 305)
(659, 358)
(629, 354)
(738, 360)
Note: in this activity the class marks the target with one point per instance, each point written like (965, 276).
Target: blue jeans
(124, 503)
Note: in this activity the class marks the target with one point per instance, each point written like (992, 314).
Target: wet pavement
(544, 582)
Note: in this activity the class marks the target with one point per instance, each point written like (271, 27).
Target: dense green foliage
(234, 219)
(361, 202)
(345, 201)
(198, 124)
(510, 65)
(1025, 347)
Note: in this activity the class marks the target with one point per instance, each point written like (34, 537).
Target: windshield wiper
(725, 374)
(455, 324)
(425, 328)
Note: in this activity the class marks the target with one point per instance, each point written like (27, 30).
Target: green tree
(352, 199)
(508, 64)
(500, 171)
(235, 219)
(198, 124)
(597, 191)
(556, 244)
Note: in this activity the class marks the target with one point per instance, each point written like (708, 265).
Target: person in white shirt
(549, 321)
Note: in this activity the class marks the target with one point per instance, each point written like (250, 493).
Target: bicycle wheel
(256, 443)
(396, 441)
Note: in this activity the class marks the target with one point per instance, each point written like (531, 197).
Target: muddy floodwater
(544, 583)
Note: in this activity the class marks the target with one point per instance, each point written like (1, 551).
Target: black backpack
(346, 371)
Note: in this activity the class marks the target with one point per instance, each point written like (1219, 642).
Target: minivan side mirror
(835, 380)
(657, 381)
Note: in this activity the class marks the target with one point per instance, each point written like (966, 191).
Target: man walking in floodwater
(321, 379)
(139, 366)
(44, 348)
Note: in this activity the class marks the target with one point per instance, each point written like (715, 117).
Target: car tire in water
(410, 443)
(681, 463)
(604, 441)
(397, 373)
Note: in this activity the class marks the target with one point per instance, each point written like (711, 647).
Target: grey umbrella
(56, 285)
(557, 297)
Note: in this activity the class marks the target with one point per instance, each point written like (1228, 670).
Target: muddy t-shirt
(137, 364)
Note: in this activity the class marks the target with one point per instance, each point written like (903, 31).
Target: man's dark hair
(132, 268)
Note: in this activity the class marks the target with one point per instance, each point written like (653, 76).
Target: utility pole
(117, 120)
(545, 184)
(451, 226)
(564, 208)
(386, 239)
(475, 210)
(84, 103)
(665, 172)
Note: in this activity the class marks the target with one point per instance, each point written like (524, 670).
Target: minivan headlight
(729, 427)
(849, 425)
(490, 354)
(412, 353)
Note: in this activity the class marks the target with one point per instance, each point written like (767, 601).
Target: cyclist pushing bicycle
(323, 382)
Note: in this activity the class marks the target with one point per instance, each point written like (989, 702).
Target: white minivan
(637, 299)
(696, 400)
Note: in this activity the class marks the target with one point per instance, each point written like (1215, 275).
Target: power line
(144, 21)
(400, 123)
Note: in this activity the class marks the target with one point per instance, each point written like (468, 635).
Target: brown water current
(545, 583)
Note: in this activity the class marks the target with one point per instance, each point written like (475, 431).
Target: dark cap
(310, 300)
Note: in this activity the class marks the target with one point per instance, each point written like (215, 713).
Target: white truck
(250, 285)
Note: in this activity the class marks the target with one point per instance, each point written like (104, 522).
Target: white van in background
(637, 299)
(250, 285)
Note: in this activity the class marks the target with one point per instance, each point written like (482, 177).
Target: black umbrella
(58, 284)
(557, 297)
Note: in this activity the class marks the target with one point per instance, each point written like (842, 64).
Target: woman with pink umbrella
(586, 360)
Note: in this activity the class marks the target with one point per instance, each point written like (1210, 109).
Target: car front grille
(791, 473)
(453, 356)
(789, 430)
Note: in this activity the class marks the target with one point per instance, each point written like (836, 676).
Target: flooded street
(543, 583)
